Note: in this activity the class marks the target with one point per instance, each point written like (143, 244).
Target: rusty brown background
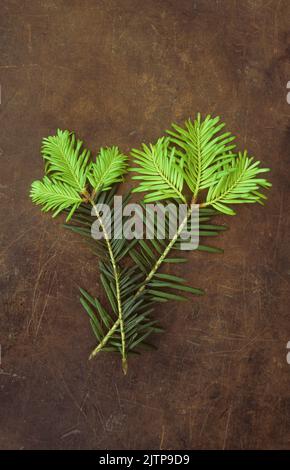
(119, 72)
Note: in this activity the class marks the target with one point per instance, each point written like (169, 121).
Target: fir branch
(70, 173)
(200, 156)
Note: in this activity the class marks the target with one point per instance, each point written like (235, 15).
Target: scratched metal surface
(119, 72)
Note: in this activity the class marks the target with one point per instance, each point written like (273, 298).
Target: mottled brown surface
(120, 71)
